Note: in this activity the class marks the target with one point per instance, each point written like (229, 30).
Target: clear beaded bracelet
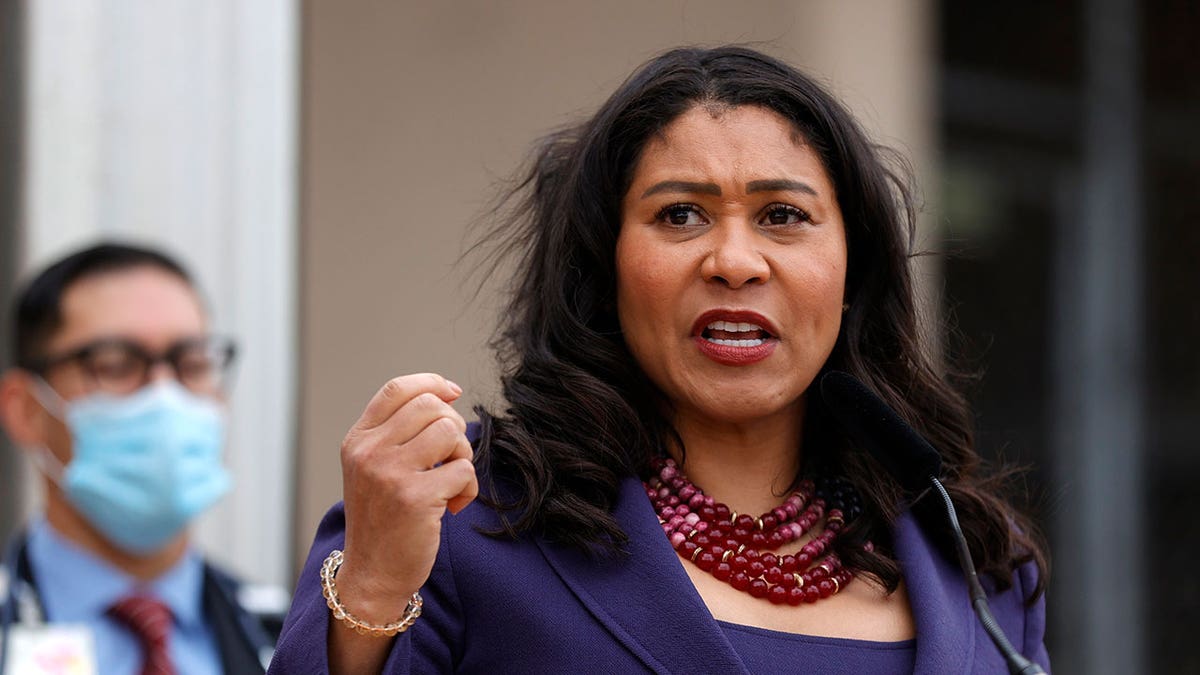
(329, 590)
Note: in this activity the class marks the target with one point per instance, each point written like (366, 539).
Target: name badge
(50, 649)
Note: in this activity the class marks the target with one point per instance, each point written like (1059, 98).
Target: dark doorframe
(12, 102)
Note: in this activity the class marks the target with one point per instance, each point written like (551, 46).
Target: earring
(845, 307)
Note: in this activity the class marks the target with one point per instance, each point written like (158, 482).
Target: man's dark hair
(37, 311)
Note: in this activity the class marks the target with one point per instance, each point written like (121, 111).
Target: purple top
(769, 651)
(532, 606)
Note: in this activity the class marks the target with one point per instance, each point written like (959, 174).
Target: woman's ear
(21, 415)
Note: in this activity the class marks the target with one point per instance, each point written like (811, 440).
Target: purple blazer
(529, 606)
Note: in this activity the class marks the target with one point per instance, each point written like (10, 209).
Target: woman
(692, 258)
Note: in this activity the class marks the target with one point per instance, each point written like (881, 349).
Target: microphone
(916, 465)
(871, 424)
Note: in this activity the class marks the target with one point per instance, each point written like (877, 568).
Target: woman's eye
(782, 214)
(680, 214)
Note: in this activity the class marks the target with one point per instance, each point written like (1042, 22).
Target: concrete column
(174, 124)
(1099, 379)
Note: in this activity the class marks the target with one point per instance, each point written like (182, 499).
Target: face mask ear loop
(46, 462)
(49, 398)
(50, 466)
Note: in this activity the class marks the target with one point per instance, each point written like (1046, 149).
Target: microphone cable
(871, 422)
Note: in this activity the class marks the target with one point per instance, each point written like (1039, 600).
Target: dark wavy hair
(582, 415)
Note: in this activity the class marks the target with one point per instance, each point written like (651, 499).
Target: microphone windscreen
(878, 429)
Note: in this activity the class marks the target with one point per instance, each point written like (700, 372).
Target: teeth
(733, 327)
(735, 343)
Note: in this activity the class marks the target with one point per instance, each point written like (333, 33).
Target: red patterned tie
(150, 621)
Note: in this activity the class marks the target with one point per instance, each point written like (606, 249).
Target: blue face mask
(143, 465)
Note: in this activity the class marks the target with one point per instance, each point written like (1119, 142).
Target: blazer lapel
(940, 603)
(646, 600)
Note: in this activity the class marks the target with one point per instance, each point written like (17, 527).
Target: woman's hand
(404, 463)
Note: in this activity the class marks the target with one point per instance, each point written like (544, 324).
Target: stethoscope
(20, 602)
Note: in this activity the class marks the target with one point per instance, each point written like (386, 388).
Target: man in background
(118, 396)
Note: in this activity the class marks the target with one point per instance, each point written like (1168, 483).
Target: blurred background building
(320, 165)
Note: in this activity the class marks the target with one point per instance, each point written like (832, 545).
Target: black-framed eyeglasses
(204, 365)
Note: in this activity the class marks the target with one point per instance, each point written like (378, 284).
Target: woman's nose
(735, 258)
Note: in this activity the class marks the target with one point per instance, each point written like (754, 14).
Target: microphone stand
(1017, 664)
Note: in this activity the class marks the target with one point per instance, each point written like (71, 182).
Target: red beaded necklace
(735, 548)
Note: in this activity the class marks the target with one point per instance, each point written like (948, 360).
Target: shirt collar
(85, 586)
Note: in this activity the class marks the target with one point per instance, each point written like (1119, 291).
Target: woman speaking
(665, 490)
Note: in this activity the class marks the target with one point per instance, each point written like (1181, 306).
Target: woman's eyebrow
(771, 185)
(780, 185)
(684, 187)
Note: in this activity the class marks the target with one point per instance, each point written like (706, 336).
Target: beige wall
(412, 112)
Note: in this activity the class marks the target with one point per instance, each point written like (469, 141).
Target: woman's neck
(749, 466)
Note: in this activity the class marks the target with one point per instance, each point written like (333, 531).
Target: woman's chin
(745, 412)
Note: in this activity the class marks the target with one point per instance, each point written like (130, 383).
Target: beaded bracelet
(329, 590)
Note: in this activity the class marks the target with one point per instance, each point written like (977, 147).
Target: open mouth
(735, 334)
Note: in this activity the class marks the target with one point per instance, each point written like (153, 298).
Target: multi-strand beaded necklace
(737, 548)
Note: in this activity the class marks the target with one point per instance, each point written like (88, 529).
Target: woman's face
(731, 265)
